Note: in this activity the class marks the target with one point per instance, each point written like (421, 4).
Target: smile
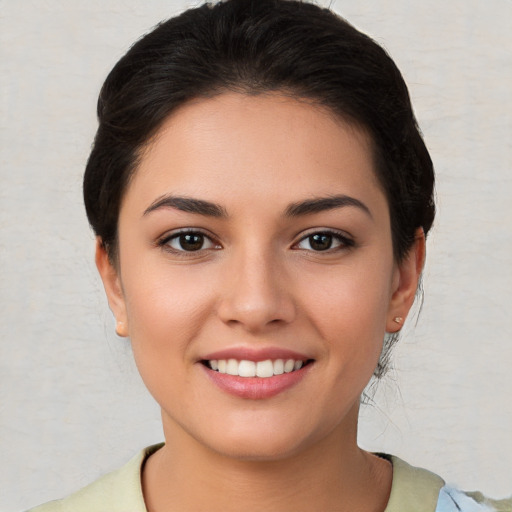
(256, 375)
(247, 368)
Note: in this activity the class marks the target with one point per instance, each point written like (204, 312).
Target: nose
(256, 293)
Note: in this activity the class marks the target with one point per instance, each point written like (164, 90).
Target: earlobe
(121, 329)
(112, 284)
(405, 283)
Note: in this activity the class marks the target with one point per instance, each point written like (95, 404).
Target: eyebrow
(322, 204)
(187, 204)
(209, 209)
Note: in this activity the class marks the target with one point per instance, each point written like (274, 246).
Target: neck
(332, 474)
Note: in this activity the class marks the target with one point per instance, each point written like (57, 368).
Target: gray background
(72, 406)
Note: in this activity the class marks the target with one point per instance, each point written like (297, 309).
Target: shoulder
(423, 491)
(118, 491)
(454, 500)
(412, 488)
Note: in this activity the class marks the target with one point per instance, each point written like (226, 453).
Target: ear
(405, 283)
(112, 284)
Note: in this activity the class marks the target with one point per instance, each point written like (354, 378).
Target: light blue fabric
(453, 500)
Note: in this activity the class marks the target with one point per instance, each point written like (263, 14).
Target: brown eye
(320, 241)
(325, 241)
(189, 242)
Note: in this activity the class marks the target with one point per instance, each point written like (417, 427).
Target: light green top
(413, 489)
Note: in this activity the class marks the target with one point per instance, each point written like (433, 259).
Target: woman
(261, 196)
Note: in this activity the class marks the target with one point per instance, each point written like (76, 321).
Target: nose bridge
(255, 292)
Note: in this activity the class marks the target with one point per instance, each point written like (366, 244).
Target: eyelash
(344, 242)
(164, 242)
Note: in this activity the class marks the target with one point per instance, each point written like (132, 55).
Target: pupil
(320, 241)
(191, 241)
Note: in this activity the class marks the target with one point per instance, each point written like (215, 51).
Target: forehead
(267, 146)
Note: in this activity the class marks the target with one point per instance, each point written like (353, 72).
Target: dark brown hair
(258, 46)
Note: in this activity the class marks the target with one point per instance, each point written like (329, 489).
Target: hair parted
(253, 47)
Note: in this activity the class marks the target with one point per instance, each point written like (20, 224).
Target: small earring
(398, 319)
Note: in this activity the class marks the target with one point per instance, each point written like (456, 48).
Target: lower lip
(256, 388)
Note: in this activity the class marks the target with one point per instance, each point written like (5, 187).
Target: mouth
(256, 374)
(250, 369)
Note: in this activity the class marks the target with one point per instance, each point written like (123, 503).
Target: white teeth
(264, 369)
(232, 367)
(288, 366)
(278, 367)
(247, 369)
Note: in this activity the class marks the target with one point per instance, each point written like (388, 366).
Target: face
(256, 276)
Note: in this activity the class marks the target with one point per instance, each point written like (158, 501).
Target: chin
(260, 441)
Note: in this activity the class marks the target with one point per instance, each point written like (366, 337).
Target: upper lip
(252, 354)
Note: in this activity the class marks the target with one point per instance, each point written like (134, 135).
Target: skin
(258, 282)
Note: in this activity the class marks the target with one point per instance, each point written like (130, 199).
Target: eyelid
(163, 240)
(347, 241)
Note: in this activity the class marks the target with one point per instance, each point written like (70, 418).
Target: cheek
(349, 311)
(165, 309)
(348, 302)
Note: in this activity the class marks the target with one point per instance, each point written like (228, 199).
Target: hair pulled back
(257, 46)
(253, 47)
